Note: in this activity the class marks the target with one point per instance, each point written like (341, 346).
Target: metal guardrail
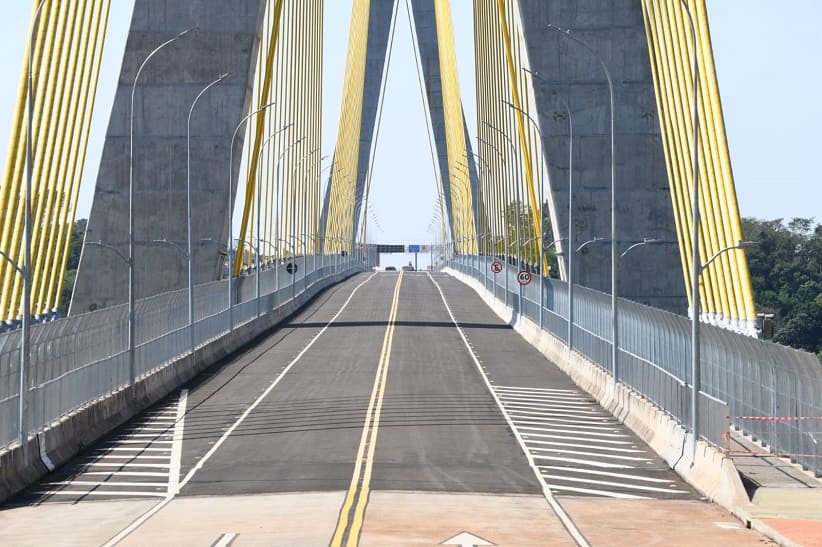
(764, 389)
(81, 358)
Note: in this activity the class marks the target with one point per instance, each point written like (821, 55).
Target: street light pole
(25, 270)
(131, 280)
(257, 286)
(258, 199)
(516, 212)
(501, 158)
(696, 379)
(231, 212)
(294, 217)
(541, 238)
(190, 253)
(614, 254)
(570, 257)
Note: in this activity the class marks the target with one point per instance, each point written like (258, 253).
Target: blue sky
(767, 59)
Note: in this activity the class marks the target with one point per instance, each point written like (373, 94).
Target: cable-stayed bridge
(263, 378)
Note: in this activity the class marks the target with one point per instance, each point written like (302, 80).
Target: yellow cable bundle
(280, 175)
(725, 288)
(66, 60)
(341, 220)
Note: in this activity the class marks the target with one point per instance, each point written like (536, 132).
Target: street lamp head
(224, 76)
(558, 29)
(186, 31)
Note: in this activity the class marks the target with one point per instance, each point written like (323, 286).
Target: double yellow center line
(352, 514)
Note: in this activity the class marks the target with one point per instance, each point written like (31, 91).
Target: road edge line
(177, 444)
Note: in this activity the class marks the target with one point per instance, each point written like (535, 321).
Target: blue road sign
(413, 248)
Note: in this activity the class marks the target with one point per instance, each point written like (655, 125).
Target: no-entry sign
(496, 266)
(524, 277)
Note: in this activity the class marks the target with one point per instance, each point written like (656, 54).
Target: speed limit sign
(524, 277)
(496, 266)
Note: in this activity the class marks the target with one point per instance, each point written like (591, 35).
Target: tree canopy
(786, 272)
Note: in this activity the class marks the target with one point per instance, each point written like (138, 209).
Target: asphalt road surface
(395, 409)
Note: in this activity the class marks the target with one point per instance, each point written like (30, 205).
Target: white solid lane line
(602, 465)
(558, 421)
(121, 449)
(549, 403)
(177, 446)
(148, 435)
(592, 454)
(113, 493)
(505, 395)
(587, 414)
(562, 419)
(576, 427)
(549, 430)
(135, 441)
(604, 493)
(599, 443)
(548, 398)
(539, 389)
(622, 485)
(127, 473)
(559, 511)
(604, 473)
(111, 483)
(154, 510)
(574, 445)
(152, 465)
(131, 457)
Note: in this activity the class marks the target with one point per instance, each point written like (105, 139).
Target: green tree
(786, 272)
(78, 232)
(518, 212)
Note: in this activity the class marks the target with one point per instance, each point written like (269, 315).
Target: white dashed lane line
(580, 449)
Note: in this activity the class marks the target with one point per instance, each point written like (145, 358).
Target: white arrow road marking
(464, 539)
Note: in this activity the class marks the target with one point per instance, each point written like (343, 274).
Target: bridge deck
(372, 416)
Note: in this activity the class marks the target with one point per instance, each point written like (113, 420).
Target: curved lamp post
(231, 210)
(189, 253)
(541, 202)
(566, 33)
(130, 262)
(257, 285)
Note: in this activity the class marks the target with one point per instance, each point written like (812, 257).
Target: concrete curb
(772, 533)
(710, 473)
(65, 438)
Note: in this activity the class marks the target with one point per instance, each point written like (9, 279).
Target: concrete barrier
(21, 466)
(711, 473)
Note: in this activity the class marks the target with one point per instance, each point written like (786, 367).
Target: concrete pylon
(225, 40)
(651, 274)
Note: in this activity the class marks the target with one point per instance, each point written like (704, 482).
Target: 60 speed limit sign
(524, 277)
(496, 266)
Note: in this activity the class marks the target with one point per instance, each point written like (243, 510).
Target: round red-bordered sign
(524, 277)
(496, 266)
